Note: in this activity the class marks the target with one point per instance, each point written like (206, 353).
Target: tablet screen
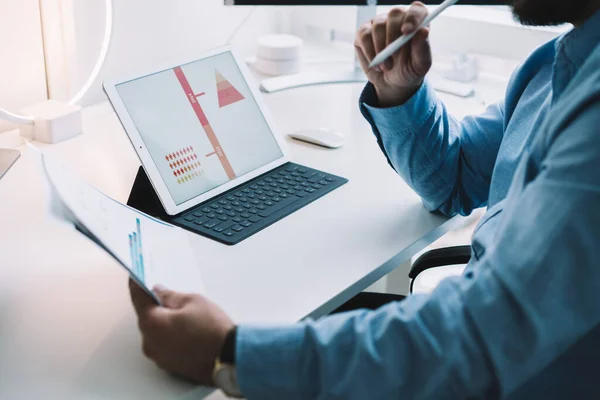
(200, 124)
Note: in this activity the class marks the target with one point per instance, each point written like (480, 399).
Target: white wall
(22, 74)
(153, 31)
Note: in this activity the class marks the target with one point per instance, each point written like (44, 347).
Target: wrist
(395, 96)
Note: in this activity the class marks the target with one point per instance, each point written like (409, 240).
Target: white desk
(67, 329)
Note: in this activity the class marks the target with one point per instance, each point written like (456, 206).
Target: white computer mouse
(320, 136)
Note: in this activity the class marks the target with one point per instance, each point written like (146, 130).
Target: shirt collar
(572, 50)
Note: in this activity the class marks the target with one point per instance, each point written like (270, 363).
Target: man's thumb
(168, 298)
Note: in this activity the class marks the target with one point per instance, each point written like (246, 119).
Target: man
(523, 322)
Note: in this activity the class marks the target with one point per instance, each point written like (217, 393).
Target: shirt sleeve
(533, 295)
(449, 163)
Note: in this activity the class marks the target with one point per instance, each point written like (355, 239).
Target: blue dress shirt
(523, 322)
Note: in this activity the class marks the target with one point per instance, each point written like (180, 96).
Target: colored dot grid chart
(185, 165)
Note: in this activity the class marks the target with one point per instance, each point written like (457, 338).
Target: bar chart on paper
(136, 251)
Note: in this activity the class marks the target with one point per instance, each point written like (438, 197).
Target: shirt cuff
(268, 361)
(409, 117)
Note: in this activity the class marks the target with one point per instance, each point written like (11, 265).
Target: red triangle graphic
(226, 92)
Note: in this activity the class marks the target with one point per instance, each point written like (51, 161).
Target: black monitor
(353, 2)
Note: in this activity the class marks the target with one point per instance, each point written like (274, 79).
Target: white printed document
(152, 251)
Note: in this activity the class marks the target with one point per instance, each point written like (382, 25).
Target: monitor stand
(7, 160)
(350, 74)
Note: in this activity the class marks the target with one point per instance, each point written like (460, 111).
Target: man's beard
(548, 12)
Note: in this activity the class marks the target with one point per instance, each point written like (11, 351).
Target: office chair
(436, 265)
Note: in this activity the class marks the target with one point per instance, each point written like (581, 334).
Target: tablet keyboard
(240, 213)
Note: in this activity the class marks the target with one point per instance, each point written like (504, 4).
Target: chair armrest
(440, 258)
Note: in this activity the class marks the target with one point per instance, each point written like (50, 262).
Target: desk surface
(67, 329)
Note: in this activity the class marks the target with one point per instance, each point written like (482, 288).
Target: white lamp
(52, 121)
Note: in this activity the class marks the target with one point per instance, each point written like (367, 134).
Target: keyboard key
(239, 209)
(263, 198)
(329, 179)
(238, 228)
(212, 216)
(295, 174)
(291, 168)
(253, 211)
(261, 183)
(245, 224)
(284, 195)
(281, 181)
(211, 224)
(305, 184)
(260, 207)
(291, 191)
(227, 207)
(273, 184)
(206, 210)
(302, 170)
(269, 203)
(289, 178)
(245, 215)
(299, 179)
(277, 190)
(246, 190)
(239, 194)
(229, 233)
(197, 213)
(279, 206)
(255, 202)
(231, 214)
(190, 218)
(247, 205)
(323, 182)
(222, 202)
(255, 218)
(269, 180)
(244, 199)
(310, 190)
(230, 198)
(270, 194)
(223, 218)
(316, 178)
(251, 196)
(215, 206)
(301, 193)
(317, 186)
(218, 229)
(237, 219)
(220, 211)
(201, 221)
(297, 187)
(284, 186)
(258, 192)
(276, 199)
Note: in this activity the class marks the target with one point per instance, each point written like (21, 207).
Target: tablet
(199, 127)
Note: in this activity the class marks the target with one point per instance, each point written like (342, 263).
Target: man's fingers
(394, 26)
(362, 59)
(364, 40)
(415, 16)
(421, 52)
(142, 302)
(379, 33)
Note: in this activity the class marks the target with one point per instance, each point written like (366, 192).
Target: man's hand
(399, 78)
(185, 336)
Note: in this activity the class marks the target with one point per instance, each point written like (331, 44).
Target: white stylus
(402, 40)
